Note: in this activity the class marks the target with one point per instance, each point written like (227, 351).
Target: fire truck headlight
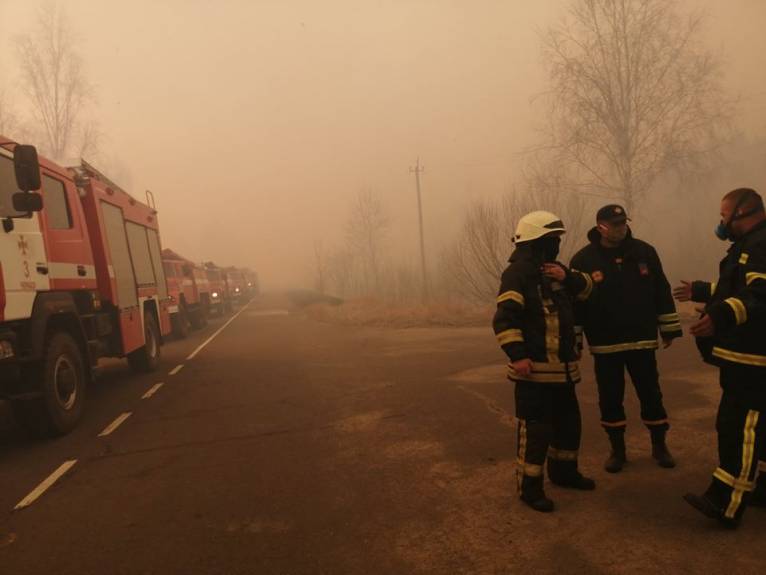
(215, 295)
(249, 284)
(236, 290)
(6, 349)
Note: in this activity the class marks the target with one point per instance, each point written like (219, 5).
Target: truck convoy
(82, 277)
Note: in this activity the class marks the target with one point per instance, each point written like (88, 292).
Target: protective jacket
(631, 298)
(737, 302)
(535, 319)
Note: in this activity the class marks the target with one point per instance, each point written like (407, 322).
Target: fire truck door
(70, 262)
(21, 251)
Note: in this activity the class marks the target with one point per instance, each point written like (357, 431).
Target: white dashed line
(212, 337)
(176, 369)
(115, 424)
(45, 485)
(271, 312)
(152, 391)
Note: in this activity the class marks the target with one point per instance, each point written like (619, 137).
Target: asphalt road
(290, 446)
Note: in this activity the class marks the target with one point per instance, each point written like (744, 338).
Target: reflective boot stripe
(748, 454)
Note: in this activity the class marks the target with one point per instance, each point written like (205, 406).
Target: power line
(417, 171)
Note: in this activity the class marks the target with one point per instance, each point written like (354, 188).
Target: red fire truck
(80, 279)
(189, 291)
(220, 299)
(237, 284)
(253, 286)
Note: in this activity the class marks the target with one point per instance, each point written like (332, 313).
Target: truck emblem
(23, 245)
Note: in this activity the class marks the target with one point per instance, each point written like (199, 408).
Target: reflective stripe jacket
(535, 320)
(737, 301)
(631, 297)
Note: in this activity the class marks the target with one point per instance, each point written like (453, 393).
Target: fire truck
(253, 286)
(80, 279)
(237, 284)
(220, 299)
(189, 291)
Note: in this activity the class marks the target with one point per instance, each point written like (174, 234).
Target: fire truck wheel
(199, 317)
(63, 390)
(147, 358)
(181, 324)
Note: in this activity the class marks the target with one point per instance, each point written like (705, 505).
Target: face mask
(722, 232)
(551, 248)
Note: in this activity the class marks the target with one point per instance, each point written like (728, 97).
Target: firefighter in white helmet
(534, 325)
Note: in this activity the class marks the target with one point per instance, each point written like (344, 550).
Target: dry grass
(377, 313)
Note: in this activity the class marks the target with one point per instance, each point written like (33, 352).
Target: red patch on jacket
(597, 276)
(643, 269)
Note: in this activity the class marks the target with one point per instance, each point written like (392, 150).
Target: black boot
(566, 474)
(617, 458)
(707, 506)
(660, 449)
(758, 497)
(533, 494)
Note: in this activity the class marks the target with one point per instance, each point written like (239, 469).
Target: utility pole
(417, 170)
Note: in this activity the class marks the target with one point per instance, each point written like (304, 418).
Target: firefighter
(534, 324)
(630, 303)
(730, 335)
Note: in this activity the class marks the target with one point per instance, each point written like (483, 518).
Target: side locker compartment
(162, 287)
(126, 300)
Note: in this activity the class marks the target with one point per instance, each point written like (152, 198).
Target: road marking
(270, 312)
(176, 369)
(115, 424)
(212, 337)
(45, 485)
(152, 391)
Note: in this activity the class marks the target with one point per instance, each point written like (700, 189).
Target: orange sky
(255, 122)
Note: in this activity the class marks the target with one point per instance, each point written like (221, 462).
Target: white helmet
(536, 225)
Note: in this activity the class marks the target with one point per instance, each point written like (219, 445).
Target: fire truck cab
(237, 285)
(220, 299)
(189, 293)
(80, 279)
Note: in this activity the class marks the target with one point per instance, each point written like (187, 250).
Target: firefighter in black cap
(534, 325)
(630, 303)
(731, 335)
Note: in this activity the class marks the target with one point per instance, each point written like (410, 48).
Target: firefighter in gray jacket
(534, 324)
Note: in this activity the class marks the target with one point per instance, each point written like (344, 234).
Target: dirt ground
(290, 445)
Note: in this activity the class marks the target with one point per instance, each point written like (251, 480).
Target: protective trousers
(549, 426)
(610, 378)
(741, 427)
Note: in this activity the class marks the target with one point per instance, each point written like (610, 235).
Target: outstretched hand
(704, 327)
(554, 271)
(523, 367)
(683, 292)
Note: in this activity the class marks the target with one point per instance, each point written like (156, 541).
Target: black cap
(612, 213)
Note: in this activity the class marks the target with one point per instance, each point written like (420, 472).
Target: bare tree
(54, 80)
(473, 264)
(632, 94)
(366, 230)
